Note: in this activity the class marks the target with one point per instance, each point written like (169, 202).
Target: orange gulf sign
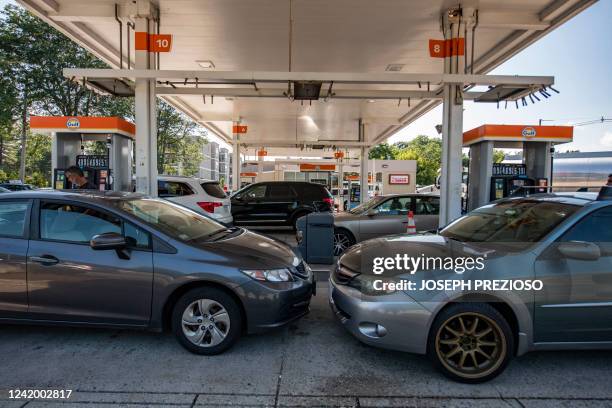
(519, 133)
(248, 174)
(152, 42)
(446, 48)
(317, 167)
(239, 129)
(86, 124)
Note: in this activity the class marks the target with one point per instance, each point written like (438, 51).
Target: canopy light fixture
(395, 67)
(206, 64)
(306, 90)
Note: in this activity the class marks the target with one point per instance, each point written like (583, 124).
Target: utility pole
(24, 130)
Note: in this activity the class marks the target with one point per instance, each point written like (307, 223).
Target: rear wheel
(470, 342)
(206, 321)
(343, 240)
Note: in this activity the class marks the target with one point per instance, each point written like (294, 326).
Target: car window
(12, 218)
(74, 223)
(213, 190)
(173, 189)
(395, 206)
(595, 227)
(311, 192)
(256, 192)
(173, 220)
(361, 208)
(136, 237)
(519, 221)
(426, 205)
(280, 191)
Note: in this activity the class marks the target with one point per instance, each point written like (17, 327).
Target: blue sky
(579, 56)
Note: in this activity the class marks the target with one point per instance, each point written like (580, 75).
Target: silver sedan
(384, 215)
(531, 273)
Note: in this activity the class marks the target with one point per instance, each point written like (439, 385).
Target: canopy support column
(363, 176)
(452, 131)
(146, 119)
(236, 165)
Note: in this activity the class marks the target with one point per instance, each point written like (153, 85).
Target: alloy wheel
(470, 345)
(205, 323)
(341, 243)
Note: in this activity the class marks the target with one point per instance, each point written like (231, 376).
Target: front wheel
(342, 241)
(470, 342)
(206, 321)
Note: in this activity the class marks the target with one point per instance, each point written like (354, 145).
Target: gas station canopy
(82, 124)
(295, 76)
(305, 36)
(507, 134)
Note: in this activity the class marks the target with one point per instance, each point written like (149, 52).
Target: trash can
(315, 236)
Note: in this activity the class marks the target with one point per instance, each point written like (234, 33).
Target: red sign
(152, 42)
(399, 178)
(446, 48)
(160, 42)
(239, 129)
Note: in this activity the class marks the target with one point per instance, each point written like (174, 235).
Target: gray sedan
(544, 282)
(123, 260)
(384, 215)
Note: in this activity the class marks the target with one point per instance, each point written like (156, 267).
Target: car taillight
(329, 201)
(209, 206)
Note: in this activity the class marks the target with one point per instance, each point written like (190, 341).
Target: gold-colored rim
(470, 345)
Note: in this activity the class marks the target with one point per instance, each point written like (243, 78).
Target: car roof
(185, 178)
(572, 198)
(83, 195)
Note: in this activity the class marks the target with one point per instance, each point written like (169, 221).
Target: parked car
(279, 202)
(201, 195)
(563, 240)
(122, 260)
(384, 215)
(17, 186)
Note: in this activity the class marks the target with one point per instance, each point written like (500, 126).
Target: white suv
(203, 196)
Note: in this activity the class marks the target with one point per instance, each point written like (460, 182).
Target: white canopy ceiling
(326, 36)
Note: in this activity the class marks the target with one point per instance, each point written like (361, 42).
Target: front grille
(301, 270)
(343, 275)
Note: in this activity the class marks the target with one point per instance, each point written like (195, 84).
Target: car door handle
(45, 259)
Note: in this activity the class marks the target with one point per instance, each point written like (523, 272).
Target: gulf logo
(73, 123)
(528, 132)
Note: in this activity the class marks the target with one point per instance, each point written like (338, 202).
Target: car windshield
(171, 219)
(361, 208)
(518, 221)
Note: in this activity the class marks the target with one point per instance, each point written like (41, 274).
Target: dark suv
(278, 202)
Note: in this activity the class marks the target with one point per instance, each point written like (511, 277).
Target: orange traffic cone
(411, 227)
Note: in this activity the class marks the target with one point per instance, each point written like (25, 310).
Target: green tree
(383, 151)
(427, 151)
(498, 156)
(179, 146)
(32, 58)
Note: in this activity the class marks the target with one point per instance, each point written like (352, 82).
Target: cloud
(606, 139)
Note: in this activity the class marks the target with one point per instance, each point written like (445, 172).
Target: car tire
(470, 342)
(206, 321)
(343, 240)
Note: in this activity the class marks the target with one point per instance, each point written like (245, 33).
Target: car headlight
(269, 275)
(372, 285)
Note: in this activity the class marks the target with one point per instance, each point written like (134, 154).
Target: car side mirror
(586, 251)
(108, 241)
(371, 212)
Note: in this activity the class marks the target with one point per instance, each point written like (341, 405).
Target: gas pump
(108, 168)
(490, 181)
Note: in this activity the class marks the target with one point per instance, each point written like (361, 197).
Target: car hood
(360, 257)
(344, 216)
(252, 250)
